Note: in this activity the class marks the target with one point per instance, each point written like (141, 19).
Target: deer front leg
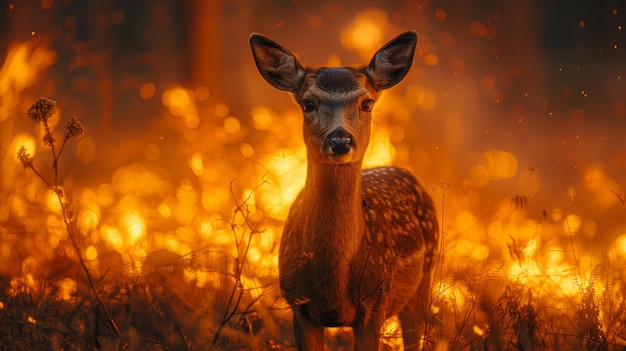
(414, 315)
(367, 333)
(411, 330)
(309, 336)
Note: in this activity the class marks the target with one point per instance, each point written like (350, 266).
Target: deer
(359, 245)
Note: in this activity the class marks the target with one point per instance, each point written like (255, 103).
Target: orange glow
(479, 175)
(165, 211)
(89, 218)
(572, 224)
(449, 294)
(431, 60)
(478, 330)
(524, 273)
(440, 15)
(365, 34)
(180, 102)
(604, 189)
(501, 164)
(147, 91)
(112, 237)
(391, 334)
(52, 200)
(478, 29)
(262, 117)
(134, 227)
(421, 97)
(67, 288)
(380, 151)
(184, 181)
(446, 39)
(619, 247)
(196, 164)
(152, 152)
(23, 63)
(285, 164)
(25, 140)
(488, 83)
(232, 125)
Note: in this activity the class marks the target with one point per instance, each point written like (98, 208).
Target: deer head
(336, 102)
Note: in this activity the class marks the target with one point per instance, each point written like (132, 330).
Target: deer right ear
(276, 64)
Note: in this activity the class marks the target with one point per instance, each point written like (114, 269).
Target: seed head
(48, 139)
(41, 110)
(74, 129)
(25, 158)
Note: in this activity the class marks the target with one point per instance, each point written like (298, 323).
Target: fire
(22, 65)
(180, 103)
(365, 34)
(133, 227)
(620, 245)
(204, 193)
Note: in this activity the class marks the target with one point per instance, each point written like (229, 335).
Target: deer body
(358, 246)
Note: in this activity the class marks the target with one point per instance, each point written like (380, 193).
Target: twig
(443, 188)
(238, 290)
(40, 112)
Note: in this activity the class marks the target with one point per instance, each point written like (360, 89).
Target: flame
(284, 165)
(22, 65)
(185, 206)
(365, 33)
(11, 166)
(134, 227)
(381, 151)
(180, 102)
(66, 289)
(500, 164)
(449, 294)
(620, 245)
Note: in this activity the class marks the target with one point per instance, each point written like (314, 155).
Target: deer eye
(308, 106)
(367, 105)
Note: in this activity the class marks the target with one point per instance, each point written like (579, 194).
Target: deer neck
(333, 201)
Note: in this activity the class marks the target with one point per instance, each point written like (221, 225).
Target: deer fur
(359, 245)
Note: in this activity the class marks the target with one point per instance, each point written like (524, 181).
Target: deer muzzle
(338, 142)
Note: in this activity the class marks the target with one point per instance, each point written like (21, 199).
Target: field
(142, 197)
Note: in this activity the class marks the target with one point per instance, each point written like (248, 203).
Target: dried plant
(40, 112)
(589, 324)
(522, 319)
(438, 272)
(249, 320)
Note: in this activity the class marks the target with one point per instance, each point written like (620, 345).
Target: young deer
(358, 246)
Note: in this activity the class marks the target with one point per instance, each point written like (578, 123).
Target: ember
(147, 213)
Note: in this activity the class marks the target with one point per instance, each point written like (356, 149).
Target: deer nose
(340, 141)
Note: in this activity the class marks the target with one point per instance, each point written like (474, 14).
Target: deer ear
(392, 62)
(276, 64)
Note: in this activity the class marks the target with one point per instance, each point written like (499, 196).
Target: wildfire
(212, 214)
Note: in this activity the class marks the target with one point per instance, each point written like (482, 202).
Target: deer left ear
(392, 62)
